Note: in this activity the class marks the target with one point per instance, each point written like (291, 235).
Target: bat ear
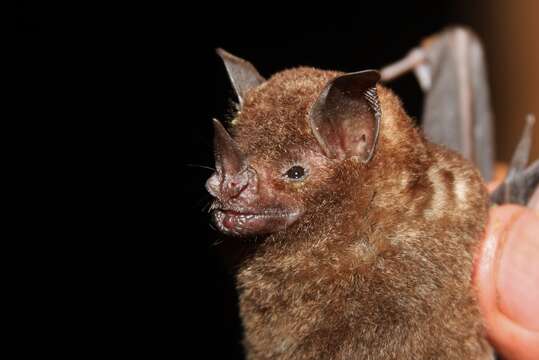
(346, 117)
(242, 73)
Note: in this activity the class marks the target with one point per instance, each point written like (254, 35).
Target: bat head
(288, 140)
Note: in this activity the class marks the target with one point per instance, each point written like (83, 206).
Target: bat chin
(246, 223)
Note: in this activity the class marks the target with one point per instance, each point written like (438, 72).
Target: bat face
(288, 139)
(257, 195)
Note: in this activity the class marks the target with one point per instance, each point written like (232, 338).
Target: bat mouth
(244, 222)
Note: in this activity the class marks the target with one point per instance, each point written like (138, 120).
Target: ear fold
(242, 73)
(346, 117)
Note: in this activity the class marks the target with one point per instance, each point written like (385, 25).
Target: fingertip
(485, 257)
(509, 337)
(517, 271)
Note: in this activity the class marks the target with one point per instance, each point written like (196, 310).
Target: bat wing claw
(521, 181)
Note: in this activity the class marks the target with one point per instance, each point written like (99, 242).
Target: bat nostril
(234, 189)
(236, 186)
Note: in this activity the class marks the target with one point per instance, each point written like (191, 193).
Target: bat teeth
(243, 218)
(219, 215)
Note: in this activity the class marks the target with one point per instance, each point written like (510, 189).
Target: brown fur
(379, 266)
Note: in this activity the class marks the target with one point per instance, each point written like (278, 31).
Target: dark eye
(295, 172)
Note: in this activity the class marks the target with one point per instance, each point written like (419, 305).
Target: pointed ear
(242, 73)
(346, 117)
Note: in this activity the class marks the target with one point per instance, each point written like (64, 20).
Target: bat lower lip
(233, 218)
(239, 223)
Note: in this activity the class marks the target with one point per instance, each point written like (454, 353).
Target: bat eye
(295, 173)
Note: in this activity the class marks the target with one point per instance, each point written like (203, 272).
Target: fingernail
(517, 275)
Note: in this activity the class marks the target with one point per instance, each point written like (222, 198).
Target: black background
(174, 284)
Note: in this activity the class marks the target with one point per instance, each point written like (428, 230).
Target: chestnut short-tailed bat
(363, 230)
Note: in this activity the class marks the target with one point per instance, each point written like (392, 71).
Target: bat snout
(212, 185)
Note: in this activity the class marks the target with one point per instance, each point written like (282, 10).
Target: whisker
(217, 242)
(213, 206)
(200, 166)
(202, 201)
(206, 206)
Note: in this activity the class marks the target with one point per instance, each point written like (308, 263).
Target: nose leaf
(228, 156)
(232, 175)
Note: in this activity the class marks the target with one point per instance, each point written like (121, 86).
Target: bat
(363, 230)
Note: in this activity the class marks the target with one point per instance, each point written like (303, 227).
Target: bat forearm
(401, 67)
